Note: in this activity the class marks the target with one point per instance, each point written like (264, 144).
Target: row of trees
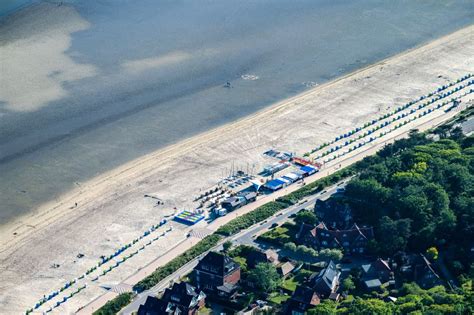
(308, 252)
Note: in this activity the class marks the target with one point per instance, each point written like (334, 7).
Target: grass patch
(204, 311)
(277, 236)
(290, 284)
(278, 298)
(299, 278)
(303, 274)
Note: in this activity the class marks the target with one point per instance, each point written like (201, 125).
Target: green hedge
(114, 306)
(162, 272)
(247, 220)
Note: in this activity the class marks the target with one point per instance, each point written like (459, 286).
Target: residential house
(424, 274)
(217, 274)
(257, 256)
(334, 213)
(302, 300)
(182, 298)
(152, 306)
(326, 282)
(285, 268)
(353, 240)
(375, 274)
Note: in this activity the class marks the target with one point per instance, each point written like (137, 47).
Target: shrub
(247, 220)
(115, 305)
(330, 254)
(277, 236)
(290, 246)
(432, 253)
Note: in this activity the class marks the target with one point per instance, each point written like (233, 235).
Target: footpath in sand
(112, 211)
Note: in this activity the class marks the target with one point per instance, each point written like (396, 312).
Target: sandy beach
(111, 209)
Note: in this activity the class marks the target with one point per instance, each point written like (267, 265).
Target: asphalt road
(245, 237)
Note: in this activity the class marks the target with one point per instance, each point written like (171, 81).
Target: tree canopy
(306, 216)
(417, 193)
(265, 277)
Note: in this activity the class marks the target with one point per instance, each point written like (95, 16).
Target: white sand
(112, 210)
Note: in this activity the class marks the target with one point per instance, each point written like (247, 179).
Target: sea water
(160, 69)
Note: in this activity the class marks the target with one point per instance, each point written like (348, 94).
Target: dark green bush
(114, 306)
(245, 221)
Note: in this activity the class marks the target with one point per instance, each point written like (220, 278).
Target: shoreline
(297, 123)
(48, 211)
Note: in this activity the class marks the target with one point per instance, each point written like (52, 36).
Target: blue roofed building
(275, 184)
(308, 170)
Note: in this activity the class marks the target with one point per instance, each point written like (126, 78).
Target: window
(175, 298)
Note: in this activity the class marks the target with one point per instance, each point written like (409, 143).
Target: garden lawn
(290, 284)
(278, 298)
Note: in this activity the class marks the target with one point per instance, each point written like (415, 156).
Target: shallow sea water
(160, 70)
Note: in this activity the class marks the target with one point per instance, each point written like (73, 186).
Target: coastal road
(244, 237)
